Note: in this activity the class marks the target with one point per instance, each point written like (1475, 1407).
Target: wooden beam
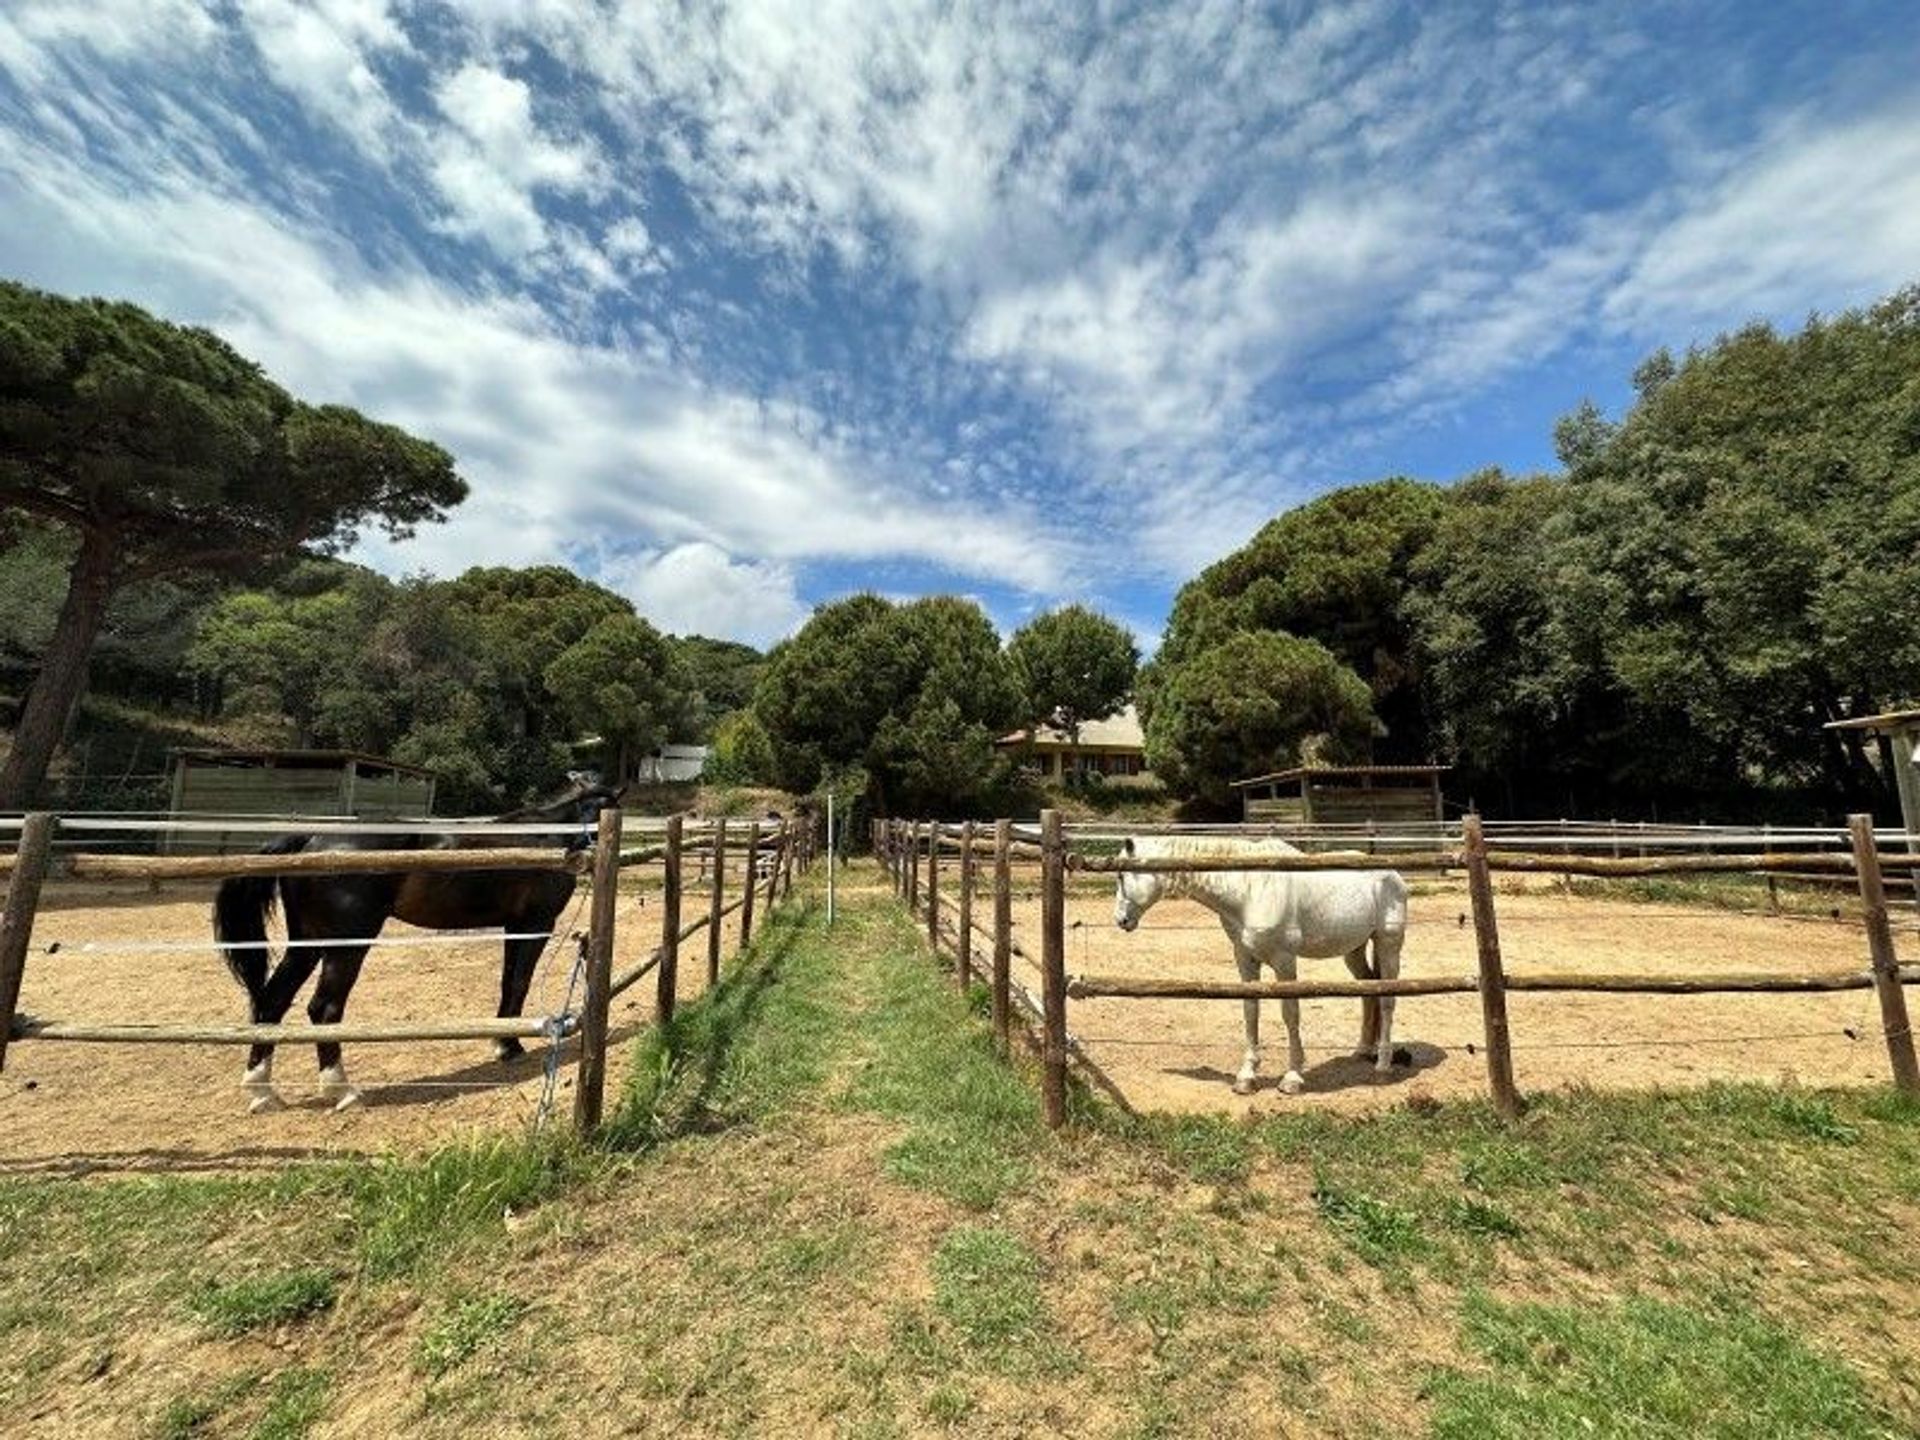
(590, 1082)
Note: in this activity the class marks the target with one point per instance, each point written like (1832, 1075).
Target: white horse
(1274, 917)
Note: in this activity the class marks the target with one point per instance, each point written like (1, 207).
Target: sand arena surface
(78, 1107)
(1182, 1054)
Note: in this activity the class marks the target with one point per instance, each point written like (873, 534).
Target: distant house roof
(306, 759)
(1119, 731)
(1282, 777)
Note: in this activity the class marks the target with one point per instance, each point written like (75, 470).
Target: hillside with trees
(1669, 621)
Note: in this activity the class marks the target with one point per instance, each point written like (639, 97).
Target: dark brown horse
(351, 909)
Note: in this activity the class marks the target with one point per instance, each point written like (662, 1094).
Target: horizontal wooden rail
(1510, 862)
(1109, 987)
(26, 1027)
(627, 979)
(1262, 862)
(318, 862)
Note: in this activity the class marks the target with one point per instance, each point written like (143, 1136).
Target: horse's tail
(241, 907)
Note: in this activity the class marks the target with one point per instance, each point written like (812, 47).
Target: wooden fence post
(746, 896)
(16, 921)
(933, 888)
(715, 924)
(1493, 975)
(1886, 966)
(1002, 933)
(963, 956)
(913, 866)
(591, 1081)
(668, 975)
(1053, 968)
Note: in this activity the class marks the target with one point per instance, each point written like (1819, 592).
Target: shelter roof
(312, 759)
(1281, 777)
(1891, 720)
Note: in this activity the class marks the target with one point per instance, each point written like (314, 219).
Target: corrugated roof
(1281, 776)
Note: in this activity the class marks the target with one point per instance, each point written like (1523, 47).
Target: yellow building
(1114, 748)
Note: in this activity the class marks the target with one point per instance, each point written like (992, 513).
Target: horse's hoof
(265, 1103)
(506, 1051)
(1243, 1084)
(352, 1100)
(1292, 1083)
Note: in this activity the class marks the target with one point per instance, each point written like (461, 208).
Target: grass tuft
(1383, 1235)
(411, 1213)
(1644, 1368)
(256, 1303)
(466, 1328)
(986, 1284)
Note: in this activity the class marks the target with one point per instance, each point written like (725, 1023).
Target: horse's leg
(337, 973)
(270, 1008)
(1294, 1081)
(1243, 1083)
(1369, 1004)
(516, 976)
(1386, 959)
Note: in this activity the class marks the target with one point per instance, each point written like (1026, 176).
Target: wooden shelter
(291, 782)
(1343, 795)
(1900, 731)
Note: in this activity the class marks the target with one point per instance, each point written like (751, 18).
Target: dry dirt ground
(1181, 1055)
(82, 1107)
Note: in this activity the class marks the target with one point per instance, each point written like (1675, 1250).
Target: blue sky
(739, 307)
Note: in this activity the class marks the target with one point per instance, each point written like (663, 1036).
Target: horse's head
(582, 801)
(1135, 894)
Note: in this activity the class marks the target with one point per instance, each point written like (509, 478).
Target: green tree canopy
(1072, 665)
(1336, 570)
(165, 451)
(1250, 704)
(721, 675)
(915, 693)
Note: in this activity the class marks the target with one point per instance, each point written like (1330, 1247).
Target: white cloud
(574, 448)
(321, 52)
(698, 589)
(113, 29)
(493, 160)
(1810, 211)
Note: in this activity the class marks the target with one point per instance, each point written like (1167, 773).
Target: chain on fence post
(1053, 968)
(667, 990)
(1002, 934)
(16, 922)
(963, 955)
(591, 1081)
(1493, 975)
(1886, 964)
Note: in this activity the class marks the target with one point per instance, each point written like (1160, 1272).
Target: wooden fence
(910, 849)
(769, 859)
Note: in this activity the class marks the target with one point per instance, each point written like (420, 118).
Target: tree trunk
(56, 690)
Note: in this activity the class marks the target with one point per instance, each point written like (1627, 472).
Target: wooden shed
(1344, 795)
(223, 783)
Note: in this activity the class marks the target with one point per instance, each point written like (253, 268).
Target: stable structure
(1900, 732)
(1344, 795)
(672, 765)
(1113, 748)
(289, 782)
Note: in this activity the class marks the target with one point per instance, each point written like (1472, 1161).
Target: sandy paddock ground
(81, 1107)
(1182, 1054)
